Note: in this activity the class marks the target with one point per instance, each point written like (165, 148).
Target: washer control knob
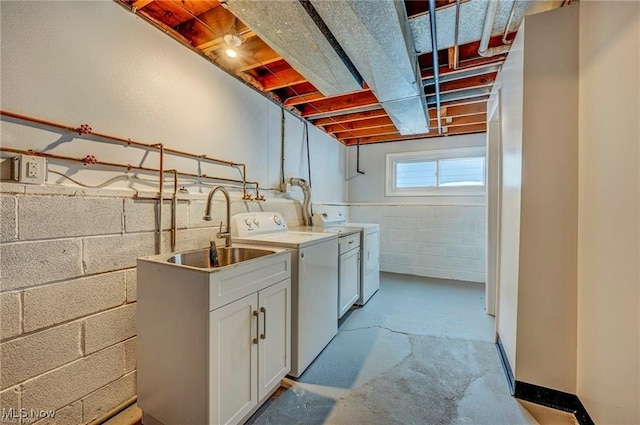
(277, 220)
(247, 221)
(256, 222)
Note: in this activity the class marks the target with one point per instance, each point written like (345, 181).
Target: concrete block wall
(443, 241)
(68, 291)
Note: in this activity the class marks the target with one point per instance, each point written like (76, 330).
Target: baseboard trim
(555, 399)
(543, 396)
(506, 366)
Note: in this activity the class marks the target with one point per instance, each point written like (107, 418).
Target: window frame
(391, 159)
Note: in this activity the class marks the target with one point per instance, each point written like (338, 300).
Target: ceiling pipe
(492, 9)
(436, 66)
(456, 49)
(506, 28)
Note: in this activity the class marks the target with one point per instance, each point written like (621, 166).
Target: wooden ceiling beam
(359, 125)
(469, 65)
(456, 121)
(304, 98)
(375, 131)
(139, 4)
(460, 107)
(345, 118)
(464, 83)
(317, 105)
(449, 121)
(281, 78)
(175, 12)
(464, 129)
(206, 30)
(253, 53)
(338, 104)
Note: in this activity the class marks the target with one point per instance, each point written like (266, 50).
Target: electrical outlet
(33, 169)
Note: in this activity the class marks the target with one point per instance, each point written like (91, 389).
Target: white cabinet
(212, 345)
(249, 351)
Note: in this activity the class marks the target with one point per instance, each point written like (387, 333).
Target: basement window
(446, 172)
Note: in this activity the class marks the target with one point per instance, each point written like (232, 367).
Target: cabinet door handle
(264, 323)
(256, 315)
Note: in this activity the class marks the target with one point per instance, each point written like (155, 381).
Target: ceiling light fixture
(233, 40)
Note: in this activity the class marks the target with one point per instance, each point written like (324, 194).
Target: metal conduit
(456, 49)
(492, 9)
(436, 66)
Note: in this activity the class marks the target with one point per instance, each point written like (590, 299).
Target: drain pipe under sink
(306, 213)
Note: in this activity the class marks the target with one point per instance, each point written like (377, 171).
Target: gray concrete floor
(419, 352)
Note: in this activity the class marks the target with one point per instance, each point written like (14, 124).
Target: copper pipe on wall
(174, 210)
(128, 142)
(128, 167)
(157, 146)
(161, 196)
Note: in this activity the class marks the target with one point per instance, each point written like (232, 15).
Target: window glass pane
(461, 172)
(415, 174)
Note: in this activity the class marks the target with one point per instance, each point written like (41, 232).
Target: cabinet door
(233, 360)
(349, 281)
(274, 353)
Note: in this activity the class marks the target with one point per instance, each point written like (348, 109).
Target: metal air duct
(306, 190)
(376, 37)
(294, 33)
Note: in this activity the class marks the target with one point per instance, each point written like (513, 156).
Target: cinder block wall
(443, 241)
(68, 291)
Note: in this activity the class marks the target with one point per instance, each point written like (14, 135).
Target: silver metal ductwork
(289, 28)
(306, 204)
(377, 38)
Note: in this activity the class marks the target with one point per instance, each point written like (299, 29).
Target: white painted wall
(432, 236)
(608, 374)
(537, 301)
(96, 63)
(511, 82)
(546, 348)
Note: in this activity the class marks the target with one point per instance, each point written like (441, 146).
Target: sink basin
(226, 256)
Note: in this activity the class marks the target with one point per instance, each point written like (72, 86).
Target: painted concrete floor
(419, 352)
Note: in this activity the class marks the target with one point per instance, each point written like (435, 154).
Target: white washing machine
(349, 263)
(369, 250)
(314, 280)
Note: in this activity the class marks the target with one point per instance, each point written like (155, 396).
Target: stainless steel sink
(226, 256)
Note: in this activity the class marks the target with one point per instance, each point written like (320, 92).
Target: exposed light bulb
(231, 53)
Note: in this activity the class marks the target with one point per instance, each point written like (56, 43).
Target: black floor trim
(553, 398)
(506, 366)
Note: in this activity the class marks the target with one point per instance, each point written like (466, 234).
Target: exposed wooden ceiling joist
(338, 104)
(202, 24)
(465, 129)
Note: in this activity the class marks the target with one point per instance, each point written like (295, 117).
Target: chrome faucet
(207, 215)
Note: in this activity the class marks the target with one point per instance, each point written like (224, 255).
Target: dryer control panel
(256, 223)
